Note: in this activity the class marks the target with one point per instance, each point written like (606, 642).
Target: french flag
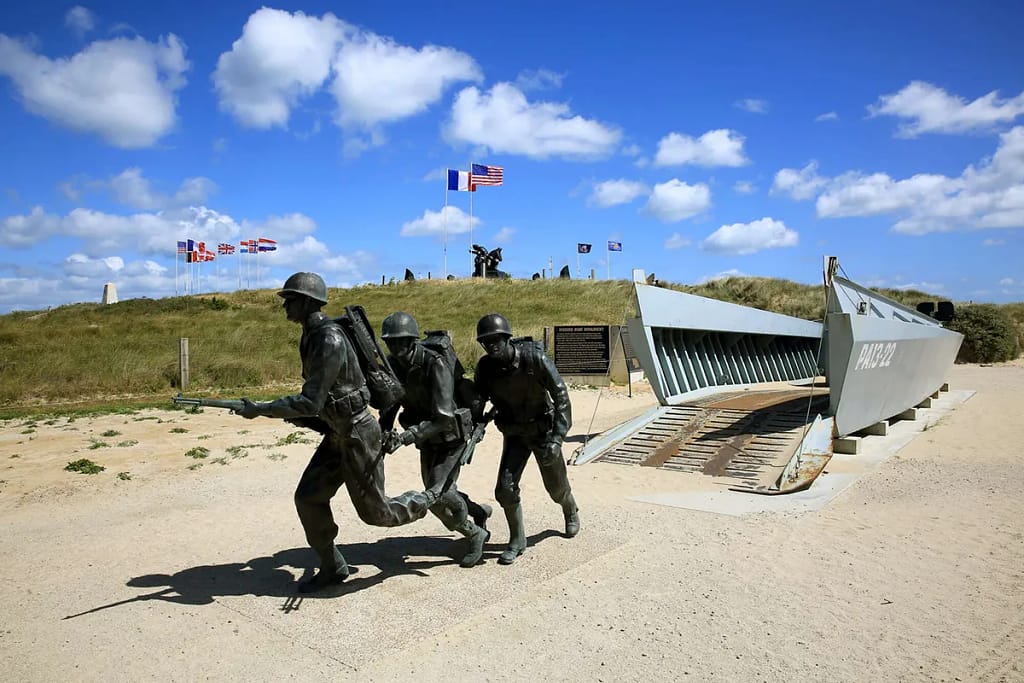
(459, 181)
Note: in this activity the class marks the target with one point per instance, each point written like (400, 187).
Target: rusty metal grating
(745, 446)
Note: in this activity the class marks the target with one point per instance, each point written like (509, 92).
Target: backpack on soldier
(440, 342)
(530, 350)
(385, 389)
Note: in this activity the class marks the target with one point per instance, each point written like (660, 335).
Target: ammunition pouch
(464, 423)
(384, 391)
(347, 405)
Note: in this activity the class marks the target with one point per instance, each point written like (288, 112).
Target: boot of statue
(332, 572)
(572, 516)
(516, 534)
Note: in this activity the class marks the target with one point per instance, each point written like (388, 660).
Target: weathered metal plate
(743, 439)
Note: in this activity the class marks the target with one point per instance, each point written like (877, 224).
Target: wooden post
(183, 363)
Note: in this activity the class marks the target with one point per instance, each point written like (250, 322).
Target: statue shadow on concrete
(267, 576)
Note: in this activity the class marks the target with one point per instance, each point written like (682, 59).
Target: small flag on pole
(224, 248)
(614, 246)
(181, 247)
(190, 246)
(486, 175)
(582, 248)
(264, 244)
(248, 246)
(458, 181)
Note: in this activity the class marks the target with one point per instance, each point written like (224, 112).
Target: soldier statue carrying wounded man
(442, 413)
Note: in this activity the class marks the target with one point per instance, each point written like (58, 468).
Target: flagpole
(175, 269)
(578, 271)
(444, 259)
(608, 258)
(471, 193)
(239, 269)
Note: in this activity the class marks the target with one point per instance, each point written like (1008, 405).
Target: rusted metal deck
(743, 439)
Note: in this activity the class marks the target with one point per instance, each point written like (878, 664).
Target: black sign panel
(582, 349)
(632, 362)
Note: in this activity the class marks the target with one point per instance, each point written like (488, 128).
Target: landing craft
(757, 399)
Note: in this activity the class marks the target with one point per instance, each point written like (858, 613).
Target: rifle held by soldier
(232, 404)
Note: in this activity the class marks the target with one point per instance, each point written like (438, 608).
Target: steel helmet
(309, 284)
(493, 324)
(399, 324)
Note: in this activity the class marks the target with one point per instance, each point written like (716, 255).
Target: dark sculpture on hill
(485, 263)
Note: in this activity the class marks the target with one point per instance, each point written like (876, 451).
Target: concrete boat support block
(944, 387)
(908, 414)
(927, 403)
(877, 429)
(847, 445)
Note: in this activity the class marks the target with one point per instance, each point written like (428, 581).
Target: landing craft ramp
(716, 368)
(743, 439)
(725, 376)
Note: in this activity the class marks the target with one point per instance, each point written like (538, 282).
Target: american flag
(224, 248)
(486, 175)
(181, 247)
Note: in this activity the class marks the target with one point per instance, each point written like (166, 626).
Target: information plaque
(582, 349)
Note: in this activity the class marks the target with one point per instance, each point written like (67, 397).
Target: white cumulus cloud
(720, 147)
(675, 200)
(799, 184)
(614, 192)
(379, 81)
(123, 90)
(283, 57)
(279, 58)
(750, 238)
(754, 106)
(79, 20)
(989, 195)
(677, 241)
(504, 236)
(744, 187)
(434, 223)
(928, 108)
(504, 121)
(132, 188)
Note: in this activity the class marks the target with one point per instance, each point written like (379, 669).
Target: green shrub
(84, 466)
(990, 335)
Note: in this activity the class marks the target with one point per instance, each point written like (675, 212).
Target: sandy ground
(174, 571)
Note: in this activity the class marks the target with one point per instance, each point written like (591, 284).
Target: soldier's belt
(351, 403)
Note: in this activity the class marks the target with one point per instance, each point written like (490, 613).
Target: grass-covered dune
(240, 342)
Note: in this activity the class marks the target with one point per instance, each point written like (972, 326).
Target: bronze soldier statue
(334, 400)
(432, 422)
(533, 413)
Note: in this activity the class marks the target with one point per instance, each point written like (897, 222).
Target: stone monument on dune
(109, 293)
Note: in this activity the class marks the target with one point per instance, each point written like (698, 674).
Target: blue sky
(731, 138)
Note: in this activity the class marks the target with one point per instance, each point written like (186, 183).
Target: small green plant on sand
(195, 466)
(127, 444)
(276, 456)
(293, 438)
(111, 433)
(124, 476)
(94, 444)
(178, 430)
(199, 453)
(84, 466)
